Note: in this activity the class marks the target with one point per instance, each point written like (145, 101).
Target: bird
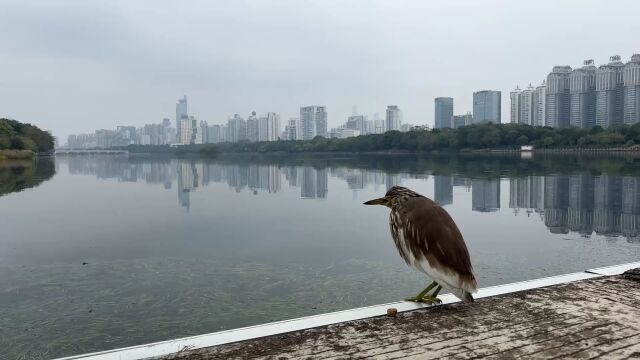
(429, 240)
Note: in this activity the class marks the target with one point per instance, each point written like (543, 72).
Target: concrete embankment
(599, 317)
(590, 314)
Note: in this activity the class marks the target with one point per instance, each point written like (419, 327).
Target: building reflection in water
(579, 203)
(485, 195)
(443, 189)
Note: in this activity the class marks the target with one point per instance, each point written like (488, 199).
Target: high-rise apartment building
(610, 93)
(582, 90)
(292, 130)
(487, 107)
(269, 127)
(527, 106)
(540, 104)
(443, 112)
(188, 130)
(558, 97)
(236, 129)
(181, 111)
(632, 90)
(462, 120)
(394, 118)
(359, 123)
(516, 103)
(252, 127)
(313, 121)
(214, 134)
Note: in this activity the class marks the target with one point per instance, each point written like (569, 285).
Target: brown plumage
(428, 239)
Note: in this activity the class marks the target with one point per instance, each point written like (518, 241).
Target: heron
(429, 240)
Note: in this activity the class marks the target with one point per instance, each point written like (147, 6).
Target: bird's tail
(462, 294)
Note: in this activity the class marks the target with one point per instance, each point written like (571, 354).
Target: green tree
(522, 140)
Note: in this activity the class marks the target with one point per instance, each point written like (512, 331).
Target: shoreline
(16, 154)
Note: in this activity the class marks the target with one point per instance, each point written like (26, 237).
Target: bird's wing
(431, 233)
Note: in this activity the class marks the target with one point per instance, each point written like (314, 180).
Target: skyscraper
(189, 130)
(558, 97)
(487, 107)
(214, 134)
(582, 90)
(516, 103)
(394, 118)
(269, 127)
(610, 93)
(236, 129)
(540, 104)
(443, 112)
(632, 90)
(181, 111)
(357, 122)
(292, 130)
(313, 121)
(252, 127)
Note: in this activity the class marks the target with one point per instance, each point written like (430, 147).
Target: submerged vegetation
(15, 135)
(474, 137)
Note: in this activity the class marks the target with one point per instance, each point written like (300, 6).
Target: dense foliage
(15, 135)
(486, 136)
(203, 149)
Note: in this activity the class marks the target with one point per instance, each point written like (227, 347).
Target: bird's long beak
(380, 201)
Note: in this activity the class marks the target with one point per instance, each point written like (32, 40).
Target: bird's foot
(431, 300)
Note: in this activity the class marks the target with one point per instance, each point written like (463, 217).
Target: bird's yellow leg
(433, 298)
(420, 296)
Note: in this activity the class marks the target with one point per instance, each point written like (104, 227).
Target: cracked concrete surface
(596, 318)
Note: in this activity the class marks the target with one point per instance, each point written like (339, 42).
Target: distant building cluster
(361, 125)
(584, 97)
(312, 122)
(150, 134)
(487, 108)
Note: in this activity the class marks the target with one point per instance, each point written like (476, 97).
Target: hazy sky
(75, 66)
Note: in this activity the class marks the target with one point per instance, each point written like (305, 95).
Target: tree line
(479, 136)
(15, 135)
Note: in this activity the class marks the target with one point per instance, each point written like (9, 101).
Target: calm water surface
(98, 252)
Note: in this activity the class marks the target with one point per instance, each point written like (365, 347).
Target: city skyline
(94, 67)
(582, 97)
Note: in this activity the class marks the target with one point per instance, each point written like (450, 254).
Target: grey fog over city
(76, 66)
(280, 179)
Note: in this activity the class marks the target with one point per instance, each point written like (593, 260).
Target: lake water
(99, 252)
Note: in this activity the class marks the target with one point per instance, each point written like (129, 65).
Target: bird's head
(395, 195)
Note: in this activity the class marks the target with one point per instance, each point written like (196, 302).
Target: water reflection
(177, 247)
(16, 176)
(582, 203)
